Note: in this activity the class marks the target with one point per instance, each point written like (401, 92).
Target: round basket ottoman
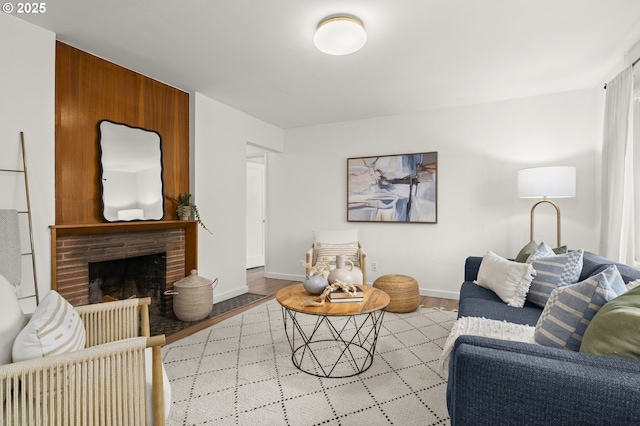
(403, 291)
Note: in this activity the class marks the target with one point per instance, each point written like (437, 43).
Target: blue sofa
(496, 382)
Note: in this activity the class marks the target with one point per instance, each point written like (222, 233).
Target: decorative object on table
(393, 188)
(193, 297)
(187, 210)
(339, 296)
(341, 273)
(316, 280)
(329, 243)
(315, 284)
(348, 288)
(321, 267)
(403, 291)
(545, 183)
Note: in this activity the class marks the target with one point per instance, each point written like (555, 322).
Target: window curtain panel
(617, 228)
(636, 169)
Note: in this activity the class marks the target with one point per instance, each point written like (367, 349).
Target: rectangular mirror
(130, 172)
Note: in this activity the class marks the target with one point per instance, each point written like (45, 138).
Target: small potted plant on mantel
(187, 210)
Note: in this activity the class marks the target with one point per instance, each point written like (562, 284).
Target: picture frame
(401, 188)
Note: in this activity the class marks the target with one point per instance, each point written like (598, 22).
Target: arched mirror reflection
(131, 172)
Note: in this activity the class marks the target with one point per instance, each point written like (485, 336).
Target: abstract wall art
(393, 188)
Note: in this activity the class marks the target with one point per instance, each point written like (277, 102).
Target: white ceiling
(258, 56)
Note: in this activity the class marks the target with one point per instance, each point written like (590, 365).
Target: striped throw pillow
(54, 328)
(553, 272)
(571, 308)
(328, 251)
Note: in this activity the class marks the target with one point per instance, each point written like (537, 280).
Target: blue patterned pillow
(570, 309)
(553, 272)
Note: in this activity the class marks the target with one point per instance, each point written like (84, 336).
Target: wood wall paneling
(90, 89)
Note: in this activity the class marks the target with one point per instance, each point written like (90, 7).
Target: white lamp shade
(550, 182)
(340, 36)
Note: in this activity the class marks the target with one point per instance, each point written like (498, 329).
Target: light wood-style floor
(268, 286)
(258, 284)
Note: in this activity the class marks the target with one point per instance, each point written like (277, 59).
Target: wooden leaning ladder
(28, 213)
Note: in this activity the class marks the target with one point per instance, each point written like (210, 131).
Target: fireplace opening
(141, 276)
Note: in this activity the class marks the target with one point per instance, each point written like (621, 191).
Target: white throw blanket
(475, 326)
(10, 252)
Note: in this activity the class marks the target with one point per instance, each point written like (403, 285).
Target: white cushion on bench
(13, 320)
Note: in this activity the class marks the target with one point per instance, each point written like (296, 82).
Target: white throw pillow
(329, 251)
(323, 239)
(508, 279)
(54, 328)
(13, 320)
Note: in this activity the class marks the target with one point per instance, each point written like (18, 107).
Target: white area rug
(239, 372)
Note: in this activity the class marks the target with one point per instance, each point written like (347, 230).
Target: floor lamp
(545, 183)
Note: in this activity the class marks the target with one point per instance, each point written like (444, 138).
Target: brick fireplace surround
(74, 247)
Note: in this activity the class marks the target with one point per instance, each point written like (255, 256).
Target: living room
(481, 146)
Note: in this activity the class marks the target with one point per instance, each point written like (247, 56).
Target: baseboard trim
(288, 277)
(453, 295)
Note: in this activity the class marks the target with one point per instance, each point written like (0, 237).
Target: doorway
(255, 211)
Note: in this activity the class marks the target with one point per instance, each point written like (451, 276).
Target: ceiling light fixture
(340, 35)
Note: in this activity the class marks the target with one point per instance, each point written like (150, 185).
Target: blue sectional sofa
(496, 382)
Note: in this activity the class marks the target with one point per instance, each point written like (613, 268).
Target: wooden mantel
(113, 227)
(190, 229)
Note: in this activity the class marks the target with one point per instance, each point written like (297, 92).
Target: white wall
(221, 135)
(27, 105)
(480, 149)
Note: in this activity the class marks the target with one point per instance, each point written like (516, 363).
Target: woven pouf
(402, 290)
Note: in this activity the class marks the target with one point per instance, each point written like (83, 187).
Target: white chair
(105, 383)
(327, 244)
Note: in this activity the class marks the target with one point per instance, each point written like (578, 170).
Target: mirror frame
(102, 179)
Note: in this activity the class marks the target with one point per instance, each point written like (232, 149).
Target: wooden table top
(291, 297)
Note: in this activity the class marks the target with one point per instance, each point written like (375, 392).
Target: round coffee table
(334, 340)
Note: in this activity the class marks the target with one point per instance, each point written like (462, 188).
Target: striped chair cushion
(54, 328)
(570, 309)
(328, 251)
(552, 272)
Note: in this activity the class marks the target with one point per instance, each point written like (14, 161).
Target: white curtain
(636, 168)
(617, 239)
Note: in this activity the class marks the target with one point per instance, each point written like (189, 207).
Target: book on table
(339, 295)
